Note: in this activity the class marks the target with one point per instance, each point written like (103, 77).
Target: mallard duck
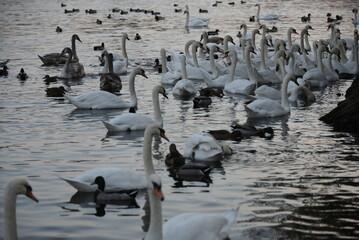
(114, 195)
(54, 59)
(215, 32)
(174, 159)
(202, 102)
(226, 135)
(248, 130)
(98, 21)
(110, 81)
(137, 37)
(55, 91)
(210, 91)
(22, 75)
(3, 71)
(48, 79)
(58, 29)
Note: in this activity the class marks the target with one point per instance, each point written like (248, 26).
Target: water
(302, 184)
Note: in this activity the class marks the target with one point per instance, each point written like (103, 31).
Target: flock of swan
(274, 75)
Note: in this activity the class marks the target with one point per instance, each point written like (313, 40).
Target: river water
(301, 184)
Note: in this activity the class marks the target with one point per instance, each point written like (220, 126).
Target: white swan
(122, 58)
(195, 21)
(315, 77)
(329, 71)
(56, 58)
(239, 85)
(267, 74)
(269, 16)
(13, 188)
(135, 121)
(184, 87)
(263, 108)
(120, 178)
(203, 147)
(168, 76)
(71, 69)
(106, 100)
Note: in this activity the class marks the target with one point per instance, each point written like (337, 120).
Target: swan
(269, 16)
(13, 188)
(106, 100)
(184, 87)
(329, 71)
(191, 225)
(57, 59)
(122, 58)
(135, 121)
(315, 77)
(215, 70)
(203, 147)
(267, 74)
(110, 81)
(71, 69)
(303, 59)
(356, 18)
(168, 76)
(352, 65)
(196, 21)
(239, 85)
(263, 108)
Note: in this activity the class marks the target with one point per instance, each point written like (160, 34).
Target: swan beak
(163, 135)
(165, 95)
(144, 75)
(158, 192)
(30, 195)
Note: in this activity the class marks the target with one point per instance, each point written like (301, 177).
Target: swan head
(162, 90)
(125, 36)
(76, 37)
(140, 71)
(155, 185)
(100, 181)
(21, 186)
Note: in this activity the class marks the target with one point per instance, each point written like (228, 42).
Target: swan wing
(129, 122)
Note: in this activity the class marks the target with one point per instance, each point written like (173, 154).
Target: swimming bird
(48, 79)
(100, 47)
(137, 37)
(109, 80)
(269, 16)
(22, 75)
(3, 71)
(195, 21)
(223, 134)
(52, 59)
(58, 29)
(114, 195)
(73, 70)
(13, 188)
(55, 91)
(136, 121)
(248, 130)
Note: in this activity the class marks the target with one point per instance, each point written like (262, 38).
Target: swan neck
(164, 61)
(289, 36)
(302, 33)
(258, 11)
(110, 65)
(249, 65)
(186, 49)
(131, 87)
(10, 214)
(155, 228)
(123, 46)
(233, 67)
(183, 67)
(320, 59)
(211, 60)
(263, 53)
(74, 52)
(66, 66)
(284, 92)
(194, 54)
(156, 106)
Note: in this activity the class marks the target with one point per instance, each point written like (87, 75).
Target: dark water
(302, 184)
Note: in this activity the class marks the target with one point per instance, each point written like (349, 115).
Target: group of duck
(296, 67)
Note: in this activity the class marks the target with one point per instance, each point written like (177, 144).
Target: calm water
(302, 184)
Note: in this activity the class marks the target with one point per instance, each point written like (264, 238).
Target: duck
(268, 108)
(22, 75)
(203, 147)
(189, 225)
(195, 21)
(307, 18)
(112, 196)
(184, 88)
(211, 33)
(128, 122)
(58, 29)
(54, 59)
(72, 70)
(110, 81)
(181, 169)
(209, 91)
(105, 100)
(157, 67)
(98, 21)
(100, 47)
(223, 134)
(158, 18)
(202, 10)
(3, 71)
(17, 186)
(248, 130)
(91, 11)
(137, 37)
(55, 91)
(48, 79)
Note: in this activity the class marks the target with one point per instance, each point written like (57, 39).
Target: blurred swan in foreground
(13, 188)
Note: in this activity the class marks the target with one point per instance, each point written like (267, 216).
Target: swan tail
(113, 128)
(231, 216)
(80, 186)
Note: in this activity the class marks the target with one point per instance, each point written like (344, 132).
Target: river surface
(301, 184)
